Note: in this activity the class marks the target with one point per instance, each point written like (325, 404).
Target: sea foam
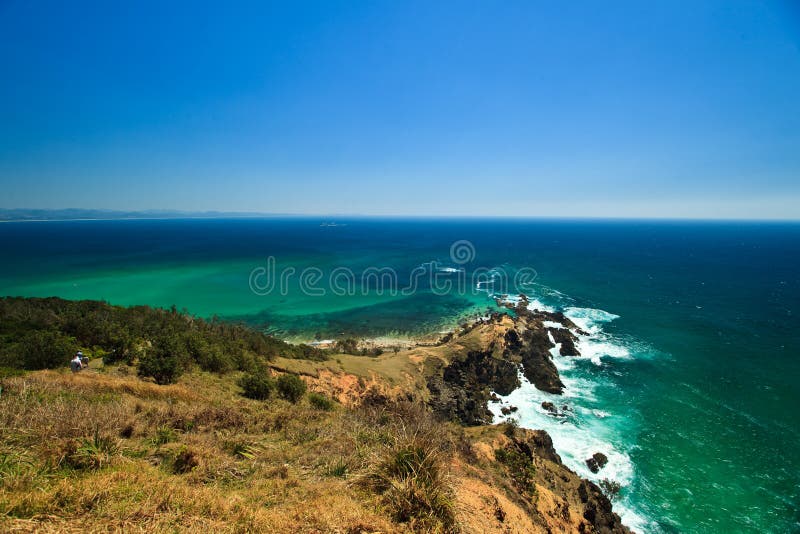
(581, 429)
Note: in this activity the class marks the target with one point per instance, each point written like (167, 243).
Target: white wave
(536, 304)
(583, 429)
(594, 348)
(552, 324)
(589, 319)
(575, 437)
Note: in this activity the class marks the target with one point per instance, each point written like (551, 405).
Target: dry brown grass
(108, 452)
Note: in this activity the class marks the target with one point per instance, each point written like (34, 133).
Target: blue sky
(623, 109)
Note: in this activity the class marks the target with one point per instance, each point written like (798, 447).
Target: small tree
(164, 362)
(291, 387)
(256, 386)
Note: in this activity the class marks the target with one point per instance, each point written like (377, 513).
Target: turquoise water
(689, 380)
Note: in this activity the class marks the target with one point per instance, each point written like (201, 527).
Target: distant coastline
(76, 214)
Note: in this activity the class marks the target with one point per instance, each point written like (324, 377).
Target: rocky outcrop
(537, 363)
(485, 357)
(596, 462)
(462, 390)
(567, 340)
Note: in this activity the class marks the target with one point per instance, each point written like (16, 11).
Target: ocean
(690, 368)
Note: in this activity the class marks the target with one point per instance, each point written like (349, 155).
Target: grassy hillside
(109, 449)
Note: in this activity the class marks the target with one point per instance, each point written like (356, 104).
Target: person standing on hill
(76, 364)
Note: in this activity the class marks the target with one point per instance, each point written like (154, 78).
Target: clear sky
(620, 108)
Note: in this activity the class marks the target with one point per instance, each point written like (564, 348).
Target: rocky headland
(458, 378)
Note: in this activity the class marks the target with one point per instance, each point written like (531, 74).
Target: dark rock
(513, 409)
(598, 510)
(601, 459)
(537, 365)
(597, 462)
(567, 340)
(494, 398)
(550, 407)
(505, 410)
(462, 390)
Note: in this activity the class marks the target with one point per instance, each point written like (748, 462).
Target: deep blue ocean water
(688, 381)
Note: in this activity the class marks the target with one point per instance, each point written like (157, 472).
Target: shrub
(165, 361)
(411, 479)
(91, 453)
(164, 434)
(45, 350)
(209, 357)
(510, 427)
(347, 346)
(520, 467)
(256, 386)
(291, 387)
(320, 402)
(185, 461)
(337, 469)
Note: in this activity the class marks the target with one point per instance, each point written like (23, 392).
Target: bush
(165, 361)
(45, 350)
(347, 346)
(38, 333)
(520, 467)
(291, 387)
(90, 453)
(165, 369)
(320, 402)
(164, 434)
(256, 386)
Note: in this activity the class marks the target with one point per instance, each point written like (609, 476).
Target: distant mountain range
(20, 214)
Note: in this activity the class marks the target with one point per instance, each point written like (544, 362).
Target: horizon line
(167, 214)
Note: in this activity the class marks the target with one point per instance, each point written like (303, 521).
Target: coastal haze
(384, 177)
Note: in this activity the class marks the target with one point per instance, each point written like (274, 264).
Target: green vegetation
(42, 349)
(350, 346)
(520, 467)
(290, 387)
(320, 402)
(257, 385)
(45, 333)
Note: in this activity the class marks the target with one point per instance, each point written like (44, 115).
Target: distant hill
(23, 214)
